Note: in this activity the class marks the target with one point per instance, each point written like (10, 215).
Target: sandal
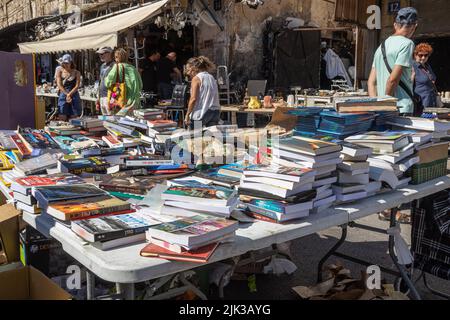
(403, 218)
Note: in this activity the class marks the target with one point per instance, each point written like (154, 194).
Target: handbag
(439, 103)
(117, 92)
(417, 105)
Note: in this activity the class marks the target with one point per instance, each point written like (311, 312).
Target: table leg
(402, 269)
(331, 252)
(126, 290)
(233, 118)
(90, 285)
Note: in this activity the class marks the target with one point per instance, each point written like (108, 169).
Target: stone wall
(240, 45)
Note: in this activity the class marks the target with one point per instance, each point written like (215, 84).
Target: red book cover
(200, 255)
(24, 151)
(261, 217)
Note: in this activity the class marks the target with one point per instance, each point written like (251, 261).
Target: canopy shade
(95, 35)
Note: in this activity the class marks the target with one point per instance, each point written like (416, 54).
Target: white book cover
(345, 177)
(289, 185)
(280, 192)
(325, 181)
(324, 202)
(351, 196)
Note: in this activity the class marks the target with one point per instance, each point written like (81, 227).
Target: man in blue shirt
(399, 54)
(106, 56)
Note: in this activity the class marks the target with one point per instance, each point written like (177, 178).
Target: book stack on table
(92, 214)
(193, 238)
(22, 186)
(277, 194)
(353, 174)
(187, 195)
(91, 125)
(342, 125)
(432, 154)
(393, 155)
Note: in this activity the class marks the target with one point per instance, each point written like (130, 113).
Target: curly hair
(423, 47)
(200, 64)
(121, 54)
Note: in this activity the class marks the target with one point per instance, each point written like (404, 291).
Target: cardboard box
(433, 153)
(9, 233)
(27, 283)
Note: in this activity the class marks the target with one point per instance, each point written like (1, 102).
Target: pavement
(309, 250)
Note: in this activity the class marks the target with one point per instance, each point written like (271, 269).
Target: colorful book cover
(49, 180)
(207, 192)
(297, 172)
(23, 149)
(92, 204)
(48, 194)
(202, 254)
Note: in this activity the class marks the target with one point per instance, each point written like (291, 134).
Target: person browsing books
(68, 81)
(204, 106)
(106, 57)
(424, 77)
(125, 73)
(391, 73)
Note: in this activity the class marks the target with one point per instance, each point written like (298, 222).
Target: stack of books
(359, 104)
(114, 230)
(341, 125)
(353, 174)
(21, 188)
(382, 120)
(149, 114)
(321, 156)
(61, 128)
(308, 121)
(83, 165)
(188, 195)
(277, 194)
(390, 150)
(34, 142)
(90, 125)
(190, 239)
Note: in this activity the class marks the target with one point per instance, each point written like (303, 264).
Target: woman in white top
(203, 107)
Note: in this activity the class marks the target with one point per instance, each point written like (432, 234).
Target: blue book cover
(46, 195)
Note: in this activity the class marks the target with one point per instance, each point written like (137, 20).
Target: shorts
(69, 109)
(210, 118)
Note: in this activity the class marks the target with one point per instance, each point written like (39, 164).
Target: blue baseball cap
(407, 16)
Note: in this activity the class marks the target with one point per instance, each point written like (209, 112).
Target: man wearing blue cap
(393, 61)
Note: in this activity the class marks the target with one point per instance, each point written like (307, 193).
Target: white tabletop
(125, 265)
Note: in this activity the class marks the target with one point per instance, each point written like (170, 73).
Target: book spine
(150, 163)
(123, 189)
(99, 169)
(97, 213)
(272, 206)
(21, 145)
(260, 217)
(264, 212)
(118, 234)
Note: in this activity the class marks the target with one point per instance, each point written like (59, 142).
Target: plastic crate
(422, 173)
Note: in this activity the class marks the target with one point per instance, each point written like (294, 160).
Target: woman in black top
(68, 81)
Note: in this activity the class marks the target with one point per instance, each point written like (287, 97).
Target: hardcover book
(200, 255)
(24, 185)
(49, 194)
(85, 207)
(207, 194)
